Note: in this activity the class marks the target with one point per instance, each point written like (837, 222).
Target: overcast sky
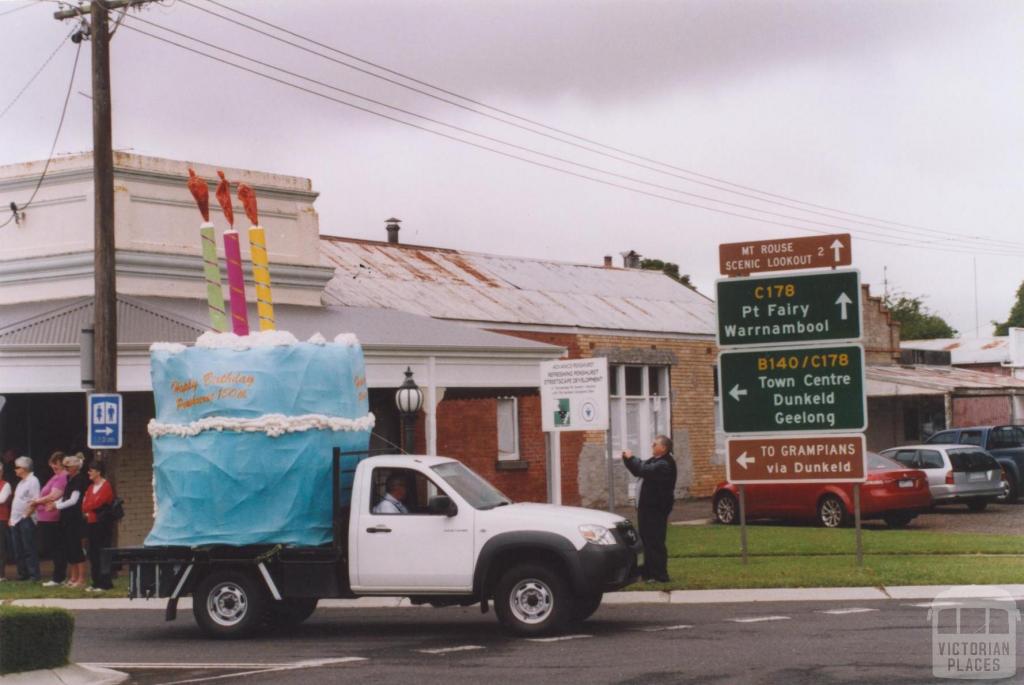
(908, 112)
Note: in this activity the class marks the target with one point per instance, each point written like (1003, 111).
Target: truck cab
(452, 539)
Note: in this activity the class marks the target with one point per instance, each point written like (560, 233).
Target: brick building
(657, 334)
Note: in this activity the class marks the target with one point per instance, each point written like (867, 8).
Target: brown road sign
(812, 252)
(798, 459)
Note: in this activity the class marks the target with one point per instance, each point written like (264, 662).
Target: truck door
(402, 546)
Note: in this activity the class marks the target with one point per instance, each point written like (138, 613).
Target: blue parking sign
(104, 421)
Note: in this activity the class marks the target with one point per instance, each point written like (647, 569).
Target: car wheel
(727, 509)
(831, 512)
(229, 604)
(585, 606)
(531, 599)
(288, 613)
(1010, 490)
(977, 504)
(897, 520)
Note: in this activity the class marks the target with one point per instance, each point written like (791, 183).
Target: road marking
(681, 626)
(929, 605)
(448, 650)
(560, 638)
(759, 619)
(852, 610)
(253, 669)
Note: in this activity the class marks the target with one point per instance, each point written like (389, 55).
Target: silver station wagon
(956, 473)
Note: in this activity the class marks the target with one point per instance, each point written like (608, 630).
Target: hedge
(33, 638)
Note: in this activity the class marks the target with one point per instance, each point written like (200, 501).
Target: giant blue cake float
(243, 435)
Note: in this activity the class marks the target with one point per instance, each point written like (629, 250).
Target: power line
(35, 75)
(910, 229)
(60, 124)
(493, 139)
(16, 9)
(485, 147)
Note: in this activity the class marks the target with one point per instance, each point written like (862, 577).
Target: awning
(900, 380)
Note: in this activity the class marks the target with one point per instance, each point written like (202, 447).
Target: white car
(956, 473)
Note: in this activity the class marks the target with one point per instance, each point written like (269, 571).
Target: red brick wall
(981, 411)
(467, 430)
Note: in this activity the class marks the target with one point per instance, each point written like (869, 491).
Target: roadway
(819, 643)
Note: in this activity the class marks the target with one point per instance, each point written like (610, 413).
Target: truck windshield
(479, 493)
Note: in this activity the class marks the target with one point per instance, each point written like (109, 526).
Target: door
(934, 466)
(402, 546)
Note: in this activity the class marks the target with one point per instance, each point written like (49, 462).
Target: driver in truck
(393, 501)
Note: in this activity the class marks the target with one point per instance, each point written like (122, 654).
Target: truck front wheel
(531, 599)
(229, 604)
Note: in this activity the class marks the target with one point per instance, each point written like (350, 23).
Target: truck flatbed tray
(205, 553)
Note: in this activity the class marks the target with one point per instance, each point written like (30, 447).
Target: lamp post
(409, 400)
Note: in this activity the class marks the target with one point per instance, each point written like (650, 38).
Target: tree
(1016, 319)
(670, 269)
(918, 322)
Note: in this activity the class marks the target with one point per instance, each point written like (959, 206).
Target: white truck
(461, 542)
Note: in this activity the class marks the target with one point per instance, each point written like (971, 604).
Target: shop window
(508, 429)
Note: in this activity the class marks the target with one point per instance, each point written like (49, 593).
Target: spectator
(7, 473)
(6, 492)
(99, 528)
(72, 525)
(48, 519)
(654, 504)
(22, 520)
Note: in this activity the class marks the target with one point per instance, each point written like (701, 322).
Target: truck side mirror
(442, 504)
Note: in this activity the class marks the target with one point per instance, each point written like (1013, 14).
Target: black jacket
(658, 482)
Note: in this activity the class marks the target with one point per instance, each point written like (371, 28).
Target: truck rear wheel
(288, 613)
(532, 599)
(229, 604)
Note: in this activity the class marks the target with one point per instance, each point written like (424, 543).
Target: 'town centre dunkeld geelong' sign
(810, 389)
(774, 310)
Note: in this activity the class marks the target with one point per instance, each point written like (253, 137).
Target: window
(1003, 437)
(929, 459)
(970, 438)
(640, 406)
(906, 457)
(418, 489)
(945, 438)
(508, 429)
(479, 493)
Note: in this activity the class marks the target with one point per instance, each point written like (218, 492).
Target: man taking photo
(654, 503)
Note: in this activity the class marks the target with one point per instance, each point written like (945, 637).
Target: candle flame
(248, 197)
(224, 198)
(201, 192)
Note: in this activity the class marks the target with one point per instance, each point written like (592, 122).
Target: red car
(892, 493)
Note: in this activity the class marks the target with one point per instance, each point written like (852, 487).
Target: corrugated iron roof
(994, 350)
(887, 381)
(61, 322)
(448, 284)
(145, 320)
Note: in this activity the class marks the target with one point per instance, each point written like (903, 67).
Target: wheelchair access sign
(105, 421)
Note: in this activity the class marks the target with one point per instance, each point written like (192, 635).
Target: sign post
(791, 369)
(104, 420)
(573, 397)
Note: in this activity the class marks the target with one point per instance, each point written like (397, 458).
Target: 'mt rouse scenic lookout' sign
(787, 254)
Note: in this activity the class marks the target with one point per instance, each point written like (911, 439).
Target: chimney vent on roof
(393, 229)
(607, 261)
(631, 259)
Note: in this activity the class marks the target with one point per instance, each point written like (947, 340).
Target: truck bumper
(604, 568)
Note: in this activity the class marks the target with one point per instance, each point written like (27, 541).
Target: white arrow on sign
(836, 247)
(737, 393)
(843, 301)
(106, 431)
(743, 460)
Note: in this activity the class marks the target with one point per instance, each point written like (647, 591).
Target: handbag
(111, 512)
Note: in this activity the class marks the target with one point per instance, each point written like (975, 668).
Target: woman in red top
(99, 529)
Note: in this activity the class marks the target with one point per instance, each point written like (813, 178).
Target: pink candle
(236, 283)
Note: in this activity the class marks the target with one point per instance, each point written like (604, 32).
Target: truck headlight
(598, 535)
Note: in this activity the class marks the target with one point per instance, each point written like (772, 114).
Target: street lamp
(409, 400)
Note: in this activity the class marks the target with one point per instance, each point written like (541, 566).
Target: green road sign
(818, 389)
(777, 310)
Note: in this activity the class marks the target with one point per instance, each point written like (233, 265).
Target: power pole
(105, 277)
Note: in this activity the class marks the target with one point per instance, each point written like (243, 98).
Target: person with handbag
(99, 526)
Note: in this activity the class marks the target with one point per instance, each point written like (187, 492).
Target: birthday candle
(233, 257)
(236, 283)
(260, 262)
(211, 266)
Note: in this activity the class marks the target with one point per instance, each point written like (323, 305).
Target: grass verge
(14, 589)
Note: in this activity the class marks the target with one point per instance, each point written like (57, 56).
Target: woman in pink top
(48, 519)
